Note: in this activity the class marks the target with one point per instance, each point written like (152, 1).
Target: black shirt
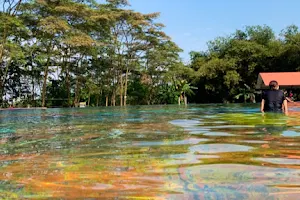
(273, 100)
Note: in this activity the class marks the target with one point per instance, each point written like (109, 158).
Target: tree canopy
(59, 53)
(232, 62)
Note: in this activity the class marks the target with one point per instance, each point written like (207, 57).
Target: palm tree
(247, 93)
(185, 89)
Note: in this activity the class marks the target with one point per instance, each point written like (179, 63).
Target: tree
(186, 89)
(12, 31)
(248, 94)
(104, 52)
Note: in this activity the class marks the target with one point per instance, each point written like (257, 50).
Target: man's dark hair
(273, 85)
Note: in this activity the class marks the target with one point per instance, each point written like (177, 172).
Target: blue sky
(191, 23)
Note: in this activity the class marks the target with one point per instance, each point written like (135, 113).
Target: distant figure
(288, 97)
(273, 100)
(291, 95)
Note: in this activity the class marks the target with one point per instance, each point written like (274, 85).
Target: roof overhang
(284, 79)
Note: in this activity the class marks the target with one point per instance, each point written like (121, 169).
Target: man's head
(273, 85)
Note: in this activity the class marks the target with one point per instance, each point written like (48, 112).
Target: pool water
(150, 152)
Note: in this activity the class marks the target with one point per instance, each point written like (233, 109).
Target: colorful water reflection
(150, 152)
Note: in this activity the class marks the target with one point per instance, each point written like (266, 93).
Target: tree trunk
(121, 88)
(179, 100)
(77, 85)
(185, 100)
(106, 101)
(67, 61)
(32, 98)
(3, 81)
(68, 84)
(113, 99)
(151, 95)
(1, 93)
(76, 98)
(45, 82)
(1, 52)
(125, 89)
(68, 88)
(44, 86)
(4, 38)
(98, 97)
(89, 99)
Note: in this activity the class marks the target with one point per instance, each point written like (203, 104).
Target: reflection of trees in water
(271, 129)
(265, 133)
(109, 159)
(281, 123)
(268, 123)
(93, 161)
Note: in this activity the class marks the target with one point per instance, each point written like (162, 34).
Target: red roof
(284, 79)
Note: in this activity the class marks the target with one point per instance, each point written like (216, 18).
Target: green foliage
(247, 93)
(138, 92)
(102, 53)
(167, 94)
(188, 89)
(231, 62)
(260, 34)
(71, 51)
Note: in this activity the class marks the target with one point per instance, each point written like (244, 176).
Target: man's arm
(289, 99)
(262, 105)
(285, 106)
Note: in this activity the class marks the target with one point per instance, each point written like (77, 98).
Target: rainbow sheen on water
(150, 152)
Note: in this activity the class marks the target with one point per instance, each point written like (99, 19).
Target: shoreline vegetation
(290, 104)
(61, 53)
(24, 108)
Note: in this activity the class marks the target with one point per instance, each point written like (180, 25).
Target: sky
(192, 23)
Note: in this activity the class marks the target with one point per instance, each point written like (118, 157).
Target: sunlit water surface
(150, 152)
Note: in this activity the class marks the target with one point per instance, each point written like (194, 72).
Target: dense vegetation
(231, 65)
(62, 52)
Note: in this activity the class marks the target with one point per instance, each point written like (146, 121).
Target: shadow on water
(150, 152)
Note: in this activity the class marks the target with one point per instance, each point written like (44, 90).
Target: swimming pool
(150, 152)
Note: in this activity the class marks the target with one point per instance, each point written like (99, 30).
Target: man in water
(273, 100)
